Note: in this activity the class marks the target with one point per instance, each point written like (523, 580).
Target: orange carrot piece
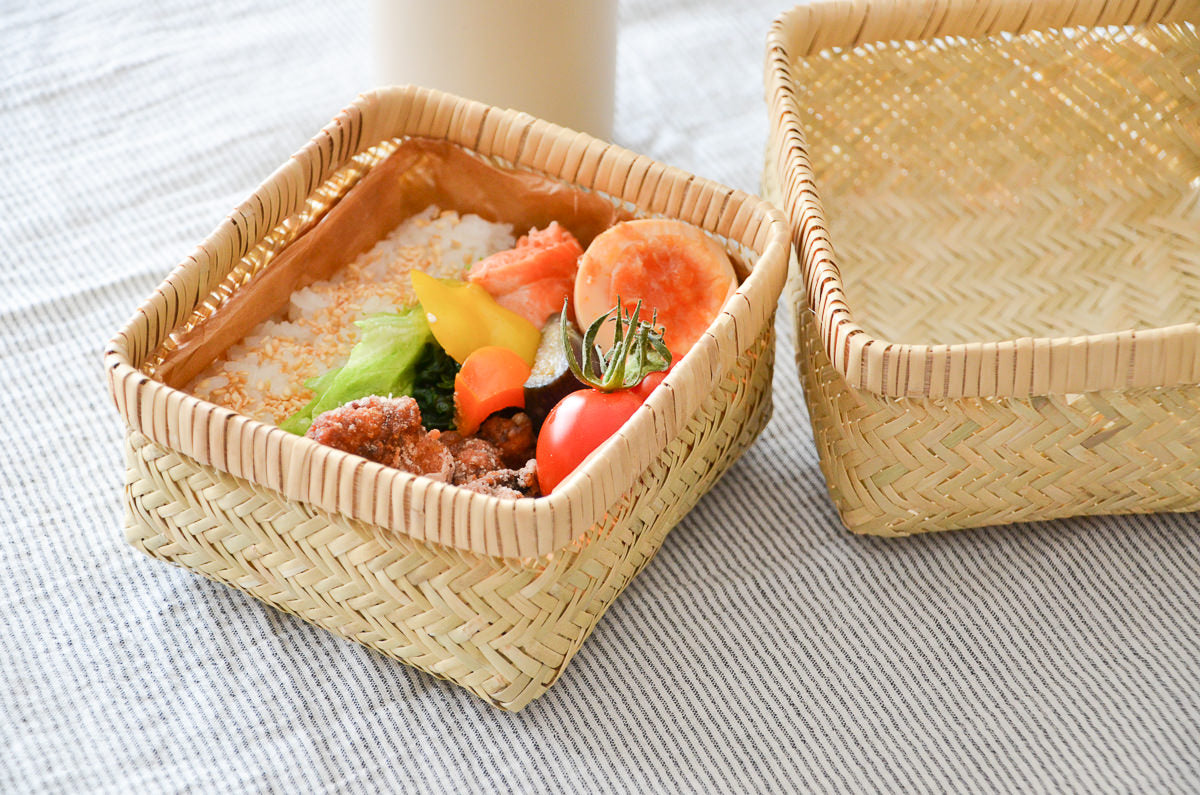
(491, 378)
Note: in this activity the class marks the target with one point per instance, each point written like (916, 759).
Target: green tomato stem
(633, 339)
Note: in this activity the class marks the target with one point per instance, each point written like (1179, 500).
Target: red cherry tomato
(580, 423)
(648, 385)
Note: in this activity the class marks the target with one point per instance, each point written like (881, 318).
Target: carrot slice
(535, 277)
(671, 266)
(491, 378)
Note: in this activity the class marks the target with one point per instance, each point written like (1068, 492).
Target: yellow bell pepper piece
(464, 317)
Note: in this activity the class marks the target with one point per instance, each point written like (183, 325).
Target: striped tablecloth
(764, 648)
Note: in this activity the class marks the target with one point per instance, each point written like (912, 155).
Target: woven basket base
(503, 629)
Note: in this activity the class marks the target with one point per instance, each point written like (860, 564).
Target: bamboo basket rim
(1040, 365)
(416, 505)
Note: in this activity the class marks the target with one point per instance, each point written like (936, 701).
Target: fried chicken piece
(371, 427)
(387, 431)
(512, 436)
(474, 458)
(427, 457)
(509, 483)
(452, 439)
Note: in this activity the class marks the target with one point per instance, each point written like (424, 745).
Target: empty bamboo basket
(495, 595)
(996, 211)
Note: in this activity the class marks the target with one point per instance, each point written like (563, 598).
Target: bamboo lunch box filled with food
(473, 583)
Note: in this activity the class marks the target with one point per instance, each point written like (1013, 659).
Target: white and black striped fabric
(765, 649)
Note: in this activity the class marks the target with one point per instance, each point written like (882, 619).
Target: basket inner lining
(276, 240)
(1046, 184)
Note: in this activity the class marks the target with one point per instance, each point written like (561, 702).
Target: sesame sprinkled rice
(263, 376)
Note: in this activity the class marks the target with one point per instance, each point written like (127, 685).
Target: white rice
(263, 376)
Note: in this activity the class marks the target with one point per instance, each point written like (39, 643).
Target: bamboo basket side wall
(502, 628)
(898, 466)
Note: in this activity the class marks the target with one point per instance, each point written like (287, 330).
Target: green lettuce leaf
(382, 362)
(299, 422)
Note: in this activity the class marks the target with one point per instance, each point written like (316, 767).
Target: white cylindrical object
(554, 59)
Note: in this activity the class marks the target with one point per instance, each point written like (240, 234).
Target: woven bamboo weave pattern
(996, 209)
(495, 595)
(996, 170)
(972, 183)
(896, 466)
(504, 629)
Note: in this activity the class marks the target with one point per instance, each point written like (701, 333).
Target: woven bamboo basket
(996, 210)
(494, 595)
